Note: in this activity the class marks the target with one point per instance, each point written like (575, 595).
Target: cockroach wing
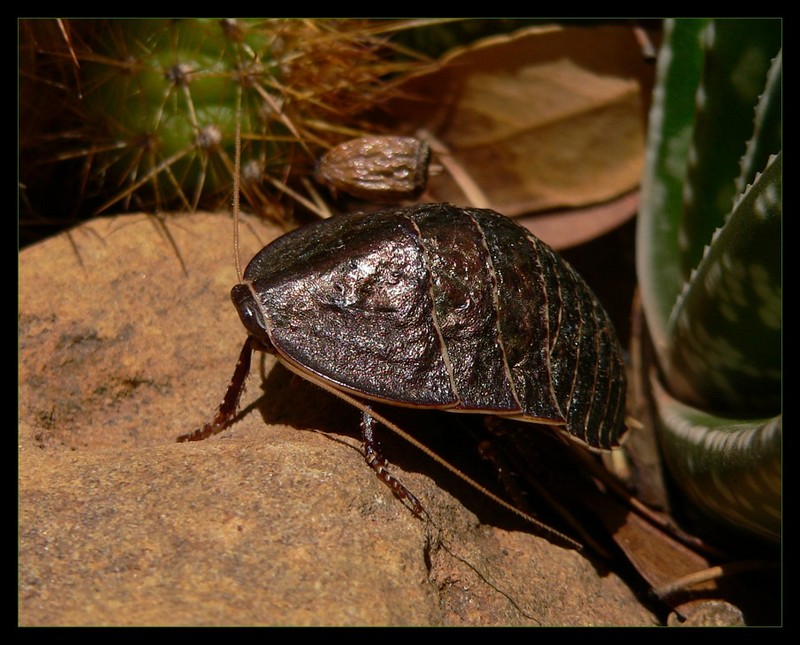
(560, 345)
(442, 307)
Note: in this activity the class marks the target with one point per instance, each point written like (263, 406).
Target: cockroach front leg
(230, 403)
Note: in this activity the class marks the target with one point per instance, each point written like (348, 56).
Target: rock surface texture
(127, 339)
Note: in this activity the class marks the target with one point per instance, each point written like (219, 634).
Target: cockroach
(438, 307)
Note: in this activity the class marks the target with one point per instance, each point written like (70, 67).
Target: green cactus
(709, 266)
(153, 103)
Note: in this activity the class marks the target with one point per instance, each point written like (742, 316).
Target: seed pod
(376, 168)
(434, 306)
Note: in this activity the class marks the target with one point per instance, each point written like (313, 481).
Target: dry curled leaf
(549, 117)
(565, 228)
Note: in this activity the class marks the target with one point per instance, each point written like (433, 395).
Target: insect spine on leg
(230, 402)
(378, 463)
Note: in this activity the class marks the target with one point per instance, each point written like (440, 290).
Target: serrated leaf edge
(775, 70)
(689, 283)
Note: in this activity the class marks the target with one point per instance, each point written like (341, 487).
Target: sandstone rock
(127, 339)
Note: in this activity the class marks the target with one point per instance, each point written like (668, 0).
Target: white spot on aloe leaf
(701, 98)
(675, 159)
(769, 295)
(744, 81)
(710, 35)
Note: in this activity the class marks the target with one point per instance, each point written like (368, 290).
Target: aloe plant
(709, 267)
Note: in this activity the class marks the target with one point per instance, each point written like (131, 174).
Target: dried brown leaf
(549, 117)
(562, 229)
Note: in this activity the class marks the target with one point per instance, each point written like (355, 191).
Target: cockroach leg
(377, 462)
(230, 403)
